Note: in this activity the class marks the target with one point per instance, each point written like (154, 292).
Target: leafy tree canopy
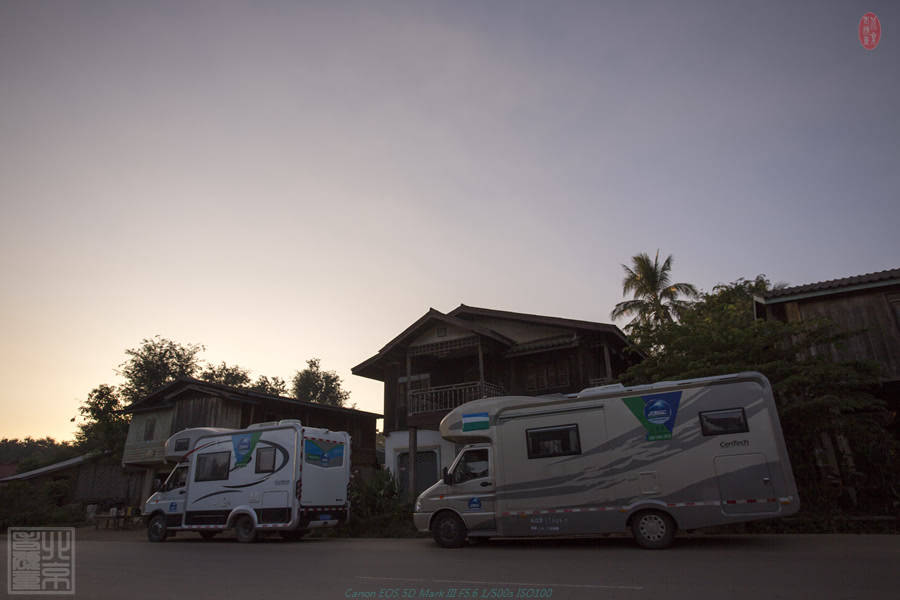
(30, 453)
(232, 375)
(656, 301)
(274, 386)
(312, 384)
(105, 427)
(156, 362)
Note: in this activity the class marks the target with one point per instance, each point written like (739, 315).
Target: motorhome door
(472, 491)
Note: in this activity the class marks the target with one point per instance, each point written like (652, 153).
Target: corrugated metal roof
(65, 464)
(836, 285)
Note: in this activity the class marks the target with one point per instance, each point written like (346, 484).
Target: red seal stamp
(869, 31)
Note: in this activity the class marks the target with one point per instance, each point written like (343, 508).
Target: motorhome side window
(265, 460)
(181, 444)
(721, 422)
(546, 442)
(213, 466)
(323, 453)
(474, 464)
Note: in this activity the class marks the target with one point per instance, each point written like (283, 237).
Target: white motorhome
(278, 476)
(652, 458)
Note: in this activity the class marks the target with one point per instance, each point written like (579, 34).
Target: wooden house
(868, 306)
(190, 402)
(444, 360)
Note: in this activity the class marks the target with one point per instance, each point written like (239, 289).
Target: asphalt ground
(123, 565)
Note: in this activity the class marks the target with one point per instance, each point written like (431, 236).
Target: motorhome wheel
(244, 529)
(156, 528)
(653, 529)
(448, 530)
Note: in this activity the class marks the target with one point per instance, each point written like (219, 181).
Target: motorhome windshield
(177, 478)
(473, 464)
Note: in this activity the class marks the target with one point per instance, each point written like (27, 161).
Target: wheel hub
(653, 527)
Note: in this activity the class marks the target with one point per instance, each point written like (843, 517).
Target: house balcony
(444, 398)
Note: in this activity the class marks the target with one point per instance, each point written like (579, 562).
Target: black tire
(653, 529)
(448, 530)
(292, 535)
(156, 528)
(208, 535)
(244, 530)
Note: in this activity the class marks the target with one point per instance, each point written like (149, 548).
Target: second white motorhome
(271, 477)
(652, 459)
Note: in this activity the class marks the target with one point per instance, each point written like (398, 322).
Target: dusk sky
(287, 180)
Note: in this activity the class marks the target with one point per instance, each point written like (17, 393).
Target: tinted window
(324, 454)
(553, 441)
(720, 422)
(213, 466)
(474, 464)
(265, 460)
(181, 445)
(176, 480)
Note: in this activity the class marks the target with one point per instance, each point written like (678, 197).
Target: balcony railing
(448, 397)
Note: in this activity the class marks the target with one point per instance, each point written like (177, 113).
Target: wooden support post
(413, 435)
(411, 463)
(480, 366)
(607, 362)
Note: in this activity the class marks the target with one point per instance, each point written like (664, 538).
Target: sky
(287, 180)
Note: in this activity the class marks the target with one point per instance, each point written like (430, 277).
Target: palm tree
(655, 299)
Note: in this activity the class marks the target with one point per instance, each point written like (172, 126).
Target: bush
(26, 503)
(378, 509)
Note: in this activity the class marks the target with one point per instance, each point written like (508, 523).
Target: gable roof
(166, 394)
(460, 317)
(462, 311)
(832, 286)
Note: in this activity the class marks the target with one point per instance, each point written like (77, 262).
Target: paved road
(730, 567)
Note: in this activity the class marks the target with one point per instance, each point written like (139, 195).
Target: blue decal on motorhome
(656, 412)
(324, 454)
(475, 504)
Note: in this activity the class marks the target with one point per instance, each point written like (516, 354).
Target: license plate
(324, 517)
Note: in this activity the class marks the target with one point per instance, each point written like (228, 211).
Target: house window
(722, 422)
(149, 429)
(441, 332)
(265, 460)
(546, 442)
(213, 466)
(894, 301)
(550, 374)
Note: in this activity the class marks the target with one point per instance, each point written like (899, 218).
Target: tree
(232, 375)
(274, 386)
(105, 427)
(312, 384)
(30, 453)
(156, 362)
(655, 299)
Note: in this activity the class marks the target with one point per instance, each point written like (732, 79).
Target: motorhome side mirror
(447, 479)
